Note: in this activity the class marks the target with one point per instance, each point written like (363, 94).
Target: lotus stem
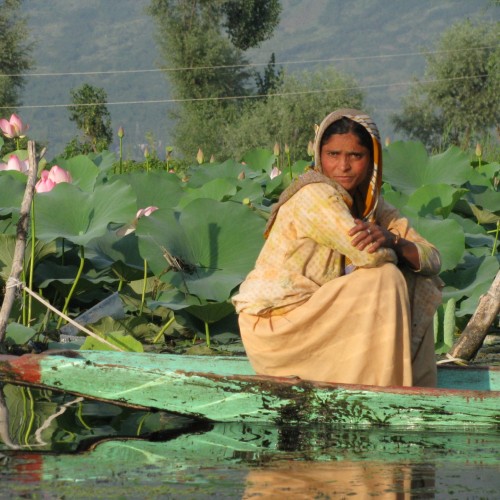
(143, 295)
(207, 334)
(163, 329)
(70, 295)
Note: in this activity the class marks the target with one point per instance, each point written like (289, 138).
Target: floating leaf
(17, 334)
(125, 342)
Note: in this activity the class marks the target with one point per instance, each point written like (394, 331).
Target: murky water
(60, 446)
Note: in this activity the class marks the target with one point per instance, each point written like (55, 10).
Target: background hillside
(110, 44)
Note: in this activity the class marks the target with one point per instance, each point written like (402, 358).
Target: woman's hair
(346, 126)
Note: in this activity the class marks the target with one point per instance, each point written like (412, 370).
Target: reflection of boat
(231, 459)
(225, 389)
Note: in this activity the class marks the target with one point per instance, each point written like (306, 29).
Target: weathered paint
(225, 390)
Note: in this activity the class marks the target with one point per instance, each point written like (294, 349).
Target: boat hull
(225, 389)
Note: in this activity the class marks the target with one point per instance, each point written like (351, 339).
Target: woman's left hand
(370, 236)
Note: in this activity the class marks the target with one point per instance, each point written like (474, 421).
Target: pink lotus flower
(145, 212)
(15, 163)
(14, 127)
(58, 175)
(49, 178)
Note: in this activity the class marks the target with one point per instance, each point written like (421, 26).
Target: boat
(226, 389)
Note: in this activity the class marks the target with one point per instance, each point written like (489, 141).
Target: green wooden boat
(226, 389)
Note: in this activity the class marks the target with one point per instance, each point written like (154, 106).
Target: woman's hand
(371, 236)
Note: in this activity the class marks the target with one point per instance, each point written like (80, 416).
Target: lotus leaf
(215, 245)
(18, 334)
(408, 167)
(435, 199)
(260, 160)
(83, 171)
(125, 342)
(217, 189)
(12, 188)
(70, 213)
(447, 235)
(159, 189)
(230, 169)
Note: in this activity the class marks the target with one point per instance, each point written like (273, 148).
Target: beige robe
(299, 314)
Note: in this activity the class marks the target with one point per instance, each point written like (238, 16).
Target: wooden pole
(472, 338)
(21, 236)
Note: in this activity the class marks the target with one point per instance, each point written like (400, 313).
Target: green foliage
(92, 117)
(457, 101)
(288, 117)
(15, 54)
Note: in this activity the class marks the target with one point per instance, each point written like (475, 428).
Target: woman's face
(346, 161)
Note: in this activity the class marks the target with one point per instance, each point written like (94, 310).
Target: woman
(344, 290)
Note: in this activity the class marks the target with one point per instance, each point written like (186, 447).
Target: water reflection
(110, 452)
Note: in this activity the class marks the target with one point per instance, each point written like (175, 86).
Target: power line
(257, 96)
(248, 65)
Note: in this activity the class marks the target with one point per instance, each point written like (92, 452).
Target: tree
(15, 54)
(457, 102)
(203, 43)
(92, 117)
(288, 117)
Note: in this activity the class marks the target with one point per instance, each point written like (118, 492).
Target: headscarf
(370, 193)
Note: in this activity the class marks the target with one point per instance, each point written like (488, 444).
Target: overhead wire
(254, 96)
(248, 65)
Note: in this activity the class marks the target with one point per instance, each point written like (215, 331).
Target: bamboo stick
(21, 236)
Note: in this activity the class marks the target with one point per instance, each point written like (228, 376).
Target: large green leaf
(408, 167)
(435, 199)
(217, 189)
(448, 237)
(83, 171)
(70, 213)
(12, 188)
(159, 189)
(471, 279)
(199, 175)
(215, 243)
(260, 160)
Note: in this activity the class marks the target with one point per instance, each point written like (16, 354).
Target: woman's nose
(344, 162)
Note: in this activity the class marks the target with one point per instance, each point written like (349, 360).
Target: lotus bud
(241, 176)
(479, 150)
(121, 132)
(212, 159)
(14, 163)
(287, 149)
(387, 141)
(310, 149)
(146, 152)
(274, 172)
(145, 212)
(276, 149)
(199, 157)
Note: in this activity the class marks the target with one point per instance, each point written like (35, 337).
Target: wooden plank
(177, 384)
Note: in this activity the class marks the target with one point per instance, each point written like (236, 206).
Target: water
(60, 446)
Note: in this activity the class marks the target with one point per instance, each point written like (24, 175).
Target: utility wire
(248, 65)
(256, 96)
